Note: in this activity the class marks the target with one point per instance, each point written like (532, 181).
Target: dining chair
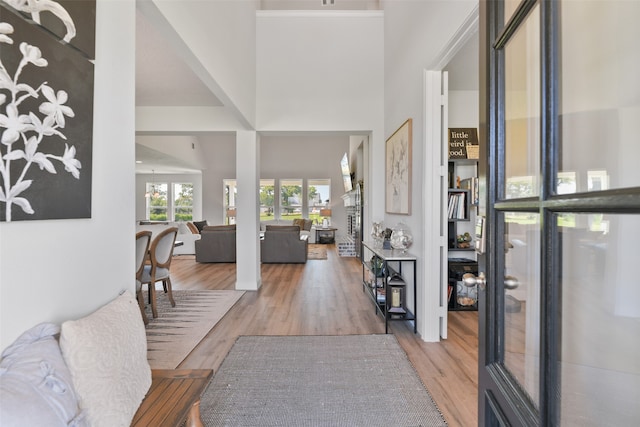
(160, 254)
(143, 241)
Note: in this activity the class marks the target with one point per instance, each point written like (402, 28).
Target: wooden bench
(174, 396)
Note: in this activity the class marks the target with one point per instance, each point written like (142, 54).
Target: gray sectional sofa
(283, 244)
(217, 244)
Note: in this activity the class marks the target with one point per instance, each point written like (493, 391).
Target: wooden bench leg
(193, 419)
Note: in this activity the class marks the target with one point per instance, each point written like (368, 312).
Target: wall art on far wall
(398, 170)
(46, 116)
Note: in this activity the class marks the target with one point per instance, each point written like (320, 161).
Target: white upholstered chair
(143, 241)
(160, 254)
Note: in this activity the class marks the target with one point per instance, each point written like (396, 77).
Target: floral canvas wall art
(398, 170)
(46, 110)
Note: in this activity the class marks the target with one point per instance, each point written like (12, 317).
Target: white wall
(415, 33)
(324, 71)
(220, 157)
(57, 270)
(309, 157)
(319, 70)
(305, 157)
(184, 148)
(463, 108)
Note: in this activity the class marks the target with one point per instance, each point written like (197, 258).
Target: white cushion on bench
(106, 353)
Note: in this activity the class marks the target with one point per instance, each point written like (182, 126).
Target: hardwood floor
(325, 297)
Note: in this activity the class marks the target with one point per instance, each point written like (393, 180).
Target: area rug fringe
(354, 380)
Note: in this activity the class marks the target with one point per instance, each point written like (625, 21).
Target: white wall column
(248, 211)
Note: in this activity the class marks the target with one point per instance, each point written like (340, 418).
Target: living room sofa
(307, 228)
(185, 235)
(217, 243)
(283, 244)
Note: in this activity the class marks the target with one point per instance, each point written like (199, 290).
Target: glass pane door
(560, 317)
(600, 359)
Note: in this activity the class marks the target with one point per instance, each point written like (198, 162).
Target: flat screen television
(346, 173)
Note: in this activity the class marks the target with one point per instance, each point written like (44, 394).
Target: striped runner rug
(178, 330)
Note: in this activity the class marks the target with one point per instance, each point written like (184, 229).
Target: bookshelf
(461, 212)
(462, 201)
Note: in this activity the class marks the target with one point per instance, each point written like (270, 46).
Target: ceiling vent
(328, 2)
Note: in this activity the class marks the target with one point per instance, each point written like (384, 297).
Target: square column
(248, 211)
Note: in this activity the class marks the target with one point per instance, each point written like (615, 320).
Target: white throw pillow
(106, 353)
(35, 384)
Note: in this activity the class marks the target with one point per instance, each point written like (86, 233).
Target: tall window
(267, 199)
(230, 194)
(157, 201)
(183, 201)
(318, 195)
(290, 198)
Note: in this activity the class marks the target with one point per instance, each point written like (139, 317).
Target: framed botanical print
(398, 170)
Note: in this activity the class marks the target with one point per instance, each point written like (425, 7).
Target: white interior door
(434, 299)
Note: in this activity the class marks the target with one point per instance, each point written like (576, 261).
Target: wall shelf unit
(385, 283)
(463, 201)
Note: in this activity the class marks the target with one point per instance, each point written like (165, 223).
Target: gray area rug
(353, 380)
(316, 251)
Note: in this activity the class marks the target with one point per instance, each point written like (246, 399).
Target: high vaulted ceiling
(163, 78)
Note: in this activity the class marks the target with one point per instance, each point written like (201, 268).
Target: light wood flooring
(325, 297)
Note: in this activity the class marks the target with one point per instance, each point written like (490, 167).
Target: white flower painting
(36, 118)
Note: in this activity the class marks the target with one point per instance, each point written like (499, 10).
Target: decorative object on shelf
(377, 266)
(467, 294)
(386, 243)
(398, 170)
(463, 143)
(377, 233)
(464, 295)
(326, 214)
(463, 240)
(396, 287)
(401, 237)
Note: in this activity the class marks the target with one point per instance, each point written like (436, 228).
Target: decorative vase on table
(377, 233)
(401, 238)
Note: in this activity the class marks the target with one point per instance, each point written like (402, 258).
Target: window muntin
(230, 196)
(290, 198)
(318, 197)
(183, 201)
(267, 199)
(157, 201)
